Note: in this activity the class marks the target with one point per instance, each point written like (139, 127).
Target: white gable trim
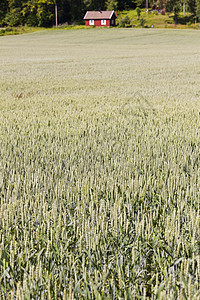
(111, 14)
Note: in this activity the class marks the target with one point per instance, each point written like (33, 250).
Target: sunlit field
(100, 165)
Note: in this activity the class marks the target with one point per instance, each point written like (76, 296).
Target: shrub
(2, 32)
(124, 21)
(14, 17)
(8, 29)
(138, 11)
(142, 22)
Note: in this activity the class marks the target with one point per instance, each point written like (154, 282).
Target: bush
(142, 22)
(138, 11)
(124, 21)
(2, 32)
(8, 31)
(32, 20)
(14, 17)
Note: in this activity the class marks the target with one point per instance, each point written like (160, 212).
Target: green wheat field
(100, 165)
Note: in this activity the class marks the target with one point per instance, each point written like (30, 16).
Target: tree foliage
(111, 5)
(198, 9)
(174, 6)
(42, 12)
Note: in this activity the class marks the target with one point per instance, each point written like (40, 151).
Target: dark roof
(99, 15)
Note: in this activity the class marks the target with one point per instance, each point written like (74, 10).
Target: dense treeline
(42, 12)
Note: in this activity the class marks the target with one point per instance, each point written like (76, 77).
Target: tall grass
(99, 165)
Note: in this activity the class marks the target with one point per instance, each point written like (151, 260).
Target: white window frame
(103, 22)
(91, 22)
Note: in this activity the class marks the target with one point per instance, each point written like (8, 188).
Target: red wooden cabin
(100, 18)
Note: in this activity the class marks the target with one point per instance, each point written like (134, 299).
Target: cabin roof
(98, 15)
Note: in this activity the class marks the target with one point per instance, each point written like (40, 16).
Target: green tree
(45, 12)
(93, 4)
(191, 6)
(3, 11)
(14, 16)
(126, 4)
(138, 11)
(87, 4)
(29, 11)
(64, 14)
(124, 21)
(173, 6)
(159, 4)
(111, 4)
(198, 10)
(140, 3)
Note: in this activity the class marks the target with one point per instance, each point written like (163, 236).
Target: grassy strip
(18, 30)
(73, 27)
(25, 29)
